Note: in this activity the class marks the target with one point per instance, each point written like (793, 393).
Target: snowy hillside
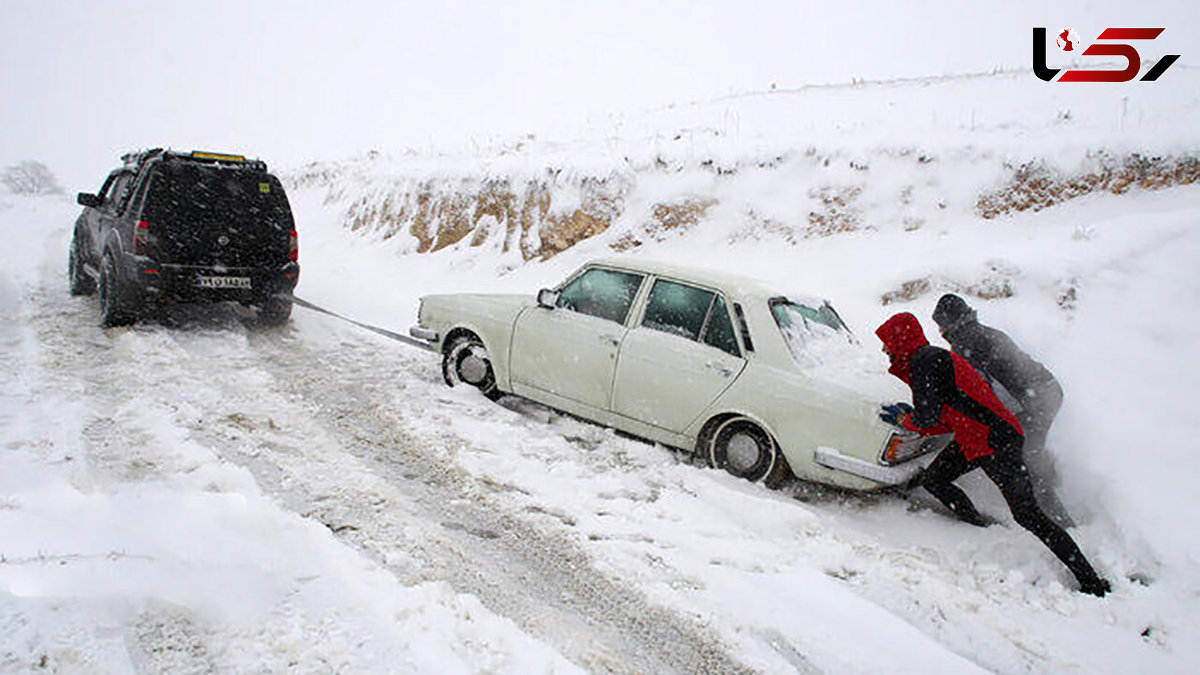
(196, 493)
(803, 163)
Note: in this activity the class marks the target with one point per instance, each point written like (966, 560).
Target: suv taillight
(293, 247)
(140, 235)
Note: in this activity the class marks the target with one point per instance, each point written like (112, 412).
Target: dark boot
(1098, 587)
(958, 502)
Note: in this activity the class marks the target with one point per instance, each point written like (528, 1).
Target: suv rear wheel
(112, 312)
(275, 311)
(81, 283)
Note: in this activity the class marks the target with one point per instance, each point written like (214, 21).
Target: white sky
(293, 80)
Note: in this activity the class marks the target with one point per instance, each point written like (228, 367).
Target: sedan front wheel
(466, 360)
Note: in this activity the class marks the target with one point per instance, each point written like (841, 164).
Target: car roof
(743, 287)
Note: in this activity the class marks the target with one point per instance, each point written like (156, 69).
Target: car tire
(466, 361)
(112, 297)
(81, 283)
(744, 449)
(275, 311)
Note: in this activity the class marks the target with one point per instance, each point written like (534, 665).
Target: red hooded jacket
(948, 394)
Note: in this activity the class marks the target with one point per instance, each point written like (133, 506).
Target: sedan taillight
(293, 246)
(900, 448)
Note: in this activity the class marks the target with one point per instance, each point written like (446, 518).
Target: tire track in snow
(55, 339)
(408, 506)
(454, 530)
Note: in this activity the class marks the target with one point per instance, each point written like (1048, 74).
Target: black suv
(191, 227)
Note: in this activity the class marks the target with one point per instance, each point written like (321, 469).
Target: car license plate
(223, 282)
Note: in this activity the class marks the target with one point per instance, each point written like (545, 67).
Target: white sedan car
(697, 360)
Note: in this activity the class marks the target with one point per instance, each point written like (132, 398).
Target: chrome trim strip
(886, 475)
(423, 333)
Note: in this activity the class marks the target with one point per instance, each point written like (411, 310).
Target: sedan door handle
(724, 370)
(611, 340)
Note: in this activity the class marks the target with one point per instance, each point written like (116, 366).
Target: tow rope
(412, 342)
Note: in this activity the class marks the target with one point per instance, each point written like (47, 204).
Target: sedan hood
(509, 300)
(501, 307)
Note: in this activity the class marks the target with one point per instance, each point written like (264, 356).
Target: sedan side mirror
(87, 199)
(547, 298)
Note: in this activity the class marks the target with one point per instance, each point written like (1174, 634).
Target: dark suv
(189, 227)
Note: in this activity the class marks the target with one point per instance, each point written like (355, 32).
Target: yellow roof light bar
(217, 156)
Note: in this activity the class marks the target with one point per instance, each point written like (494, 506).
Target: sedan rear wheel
(745, 450)
(467, 361)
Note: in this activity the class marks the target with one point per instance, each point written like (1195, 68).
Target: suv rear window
(206, 195)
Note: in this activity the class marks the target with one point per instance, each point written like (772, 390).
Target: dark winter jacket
(991, 351)
(948, 394)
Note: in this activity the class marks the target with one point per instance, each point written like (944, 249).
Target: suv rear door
(217, 216)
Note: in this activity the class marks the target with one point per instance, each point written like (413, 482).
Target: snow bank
(792, 164)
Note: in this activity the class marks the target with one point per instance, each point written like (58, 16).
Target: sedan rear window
(804, 326)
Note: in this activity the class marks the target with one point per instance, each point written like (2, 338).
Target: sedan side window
(677, 309)
(691, 313)
(719, 331)
(602, 293)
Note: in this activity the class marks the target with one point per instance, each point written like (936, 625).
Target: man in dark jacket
(1037, 394)
(950, 396)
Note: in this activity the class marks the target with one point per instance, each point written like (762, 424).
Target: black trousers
(1007, 470)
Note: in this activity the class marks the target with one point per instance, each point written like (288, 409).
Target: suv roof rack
(219, 158)
(137, 158)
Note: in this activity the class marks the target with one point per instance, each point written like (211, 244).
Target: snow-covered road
(197, 493)
(315, 423)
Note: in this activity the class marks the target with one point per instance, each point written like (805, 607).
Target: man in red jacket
(1034, 395)
(951, 396)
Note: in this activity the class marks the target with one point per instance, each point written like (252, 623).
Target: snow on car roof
(735, 284)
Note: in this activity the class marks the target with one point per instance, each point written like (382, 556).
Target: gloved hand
(894, 414)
